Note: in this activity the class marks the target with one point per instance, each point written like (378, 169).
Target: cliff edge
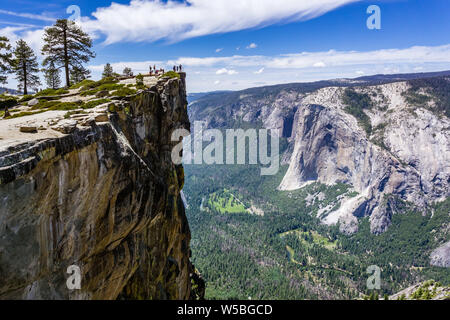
(95, 188)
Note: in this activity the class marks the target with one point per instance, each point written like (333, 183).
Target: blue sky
(233, 45)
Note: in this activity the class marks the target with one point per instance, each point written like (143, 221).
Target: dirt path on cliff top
(10, 128)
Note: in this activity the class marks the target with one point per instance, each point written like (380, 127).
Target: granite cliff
(95, 188)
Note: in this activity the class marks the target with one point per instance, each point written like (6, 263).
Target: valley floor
(287, 253)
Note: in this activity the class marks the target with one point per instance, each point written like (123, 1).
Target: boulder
(33, 102)
(28, 129)
(66, 126)
(102, 117)
(87, 122)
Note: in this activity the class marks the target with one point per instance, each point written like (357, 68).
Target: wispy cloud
(28, 15)
(226, 71)
(252, 46)
(219, 50)
(332, 58)
(152, 20)
(25, 25)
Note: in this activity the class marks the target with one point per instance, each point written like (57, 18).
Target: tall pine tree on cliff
(67, 46)
(108, 71)
(5, 58)
(25, 66)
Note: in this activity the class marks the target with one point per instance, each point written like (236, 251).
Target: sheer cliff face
(405, 156)
(105, 198)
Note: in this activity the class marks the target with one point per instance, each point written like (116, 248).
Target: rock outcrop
(404, 158)
(441, 256)
(102, 196)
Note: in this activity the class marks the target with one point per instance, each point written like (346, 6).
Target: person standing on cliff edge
(6, 114)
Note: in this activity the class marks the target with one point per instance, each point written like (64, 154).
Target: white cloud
(226, 71)
(252, 46)
(152, 20)
(319, 65)
(360, 72)
(219, 50)
(332, 58)
(259, 71)
(137, 67)
(32, 37)
(217, 82)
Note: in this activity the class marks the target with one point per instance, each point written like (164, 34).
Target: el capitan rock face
(404, 157)
(105, 197)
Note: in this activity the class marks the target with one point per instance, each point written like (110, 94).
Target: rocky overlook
(86, 179)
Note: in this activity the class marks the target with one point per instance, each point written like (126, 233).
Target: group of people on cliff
(178, 68)
(154, 71)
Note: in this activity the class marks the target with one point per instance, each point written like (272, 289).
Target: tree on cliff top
(5, 58)
(52, 76)
(108, 71)
(78, 74)
(67, 46)
(127, 72)
(25, 66)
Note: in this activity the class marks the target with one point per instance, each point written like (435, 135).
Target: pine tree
(5, 58)
(52, 76)
(108, 71)
(127, 72)
(67, 46)
(25, 66)
(79, 73)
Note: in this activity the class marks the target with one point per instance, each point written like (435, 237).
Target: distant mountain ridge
(311, 86)
(10, 91)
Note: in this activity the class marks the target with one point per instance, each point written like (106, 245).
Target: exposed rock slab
(441, 256)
